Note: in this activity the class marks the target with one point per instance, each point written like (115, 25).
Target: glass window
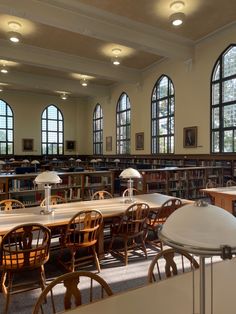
(223, 103)
(6, 129)
(162, 116)
(98, 130)
(123, 125)
(52, 132)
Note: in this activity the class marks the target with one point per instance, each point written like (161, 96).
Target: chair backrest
(134, 219)
(25, 247)
(170, 262)
(10, 204)
(211, 184)
(101, 195)
(96, 288)
(167, 208)
(134, 192)
(83, 229)
(54, 199)
(231, 183)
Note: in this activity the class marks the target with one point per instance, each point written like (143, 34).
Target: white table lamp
(35, 162)
(130, 174)
(116, 161)
(46, 178)
(204, 230)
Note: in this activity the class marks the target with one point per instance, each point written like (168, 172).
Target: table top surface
(173, 295)
(63, 212)
(231, 190)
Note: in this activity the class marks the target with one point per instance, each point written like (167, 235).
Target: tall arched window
(6, 129)
(123, 125)
(223, 103)
(52, 131)
(162, 115)
(98, 130)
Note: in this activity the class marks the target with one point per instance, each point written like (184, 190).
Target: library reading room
(117, 156)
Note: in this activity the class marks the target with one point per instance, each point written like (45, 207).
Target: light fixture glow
(177, 18)
(84, 82)
(14, 37)
(116, 59)
(64, 96)
(4, 70)
(177, 6)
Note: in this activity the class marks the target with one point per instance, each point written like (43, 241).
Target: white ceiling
(64, 39)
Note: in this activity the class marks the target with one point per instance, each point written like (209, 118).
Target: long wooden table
(173, 295)
(63, 212)
(223, 196)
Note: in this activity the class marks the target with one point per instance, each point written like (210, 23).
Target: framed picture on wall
(108, 143)
(139, 141)
(70, 145)
(27, 144)
(190, 137)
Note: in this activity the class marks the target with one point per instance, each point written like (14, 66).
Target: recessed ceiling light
(4, 70)
(84, 82)
(177, 6)
(14, 37)
(177, 18)
(116, 59)
(64, 96)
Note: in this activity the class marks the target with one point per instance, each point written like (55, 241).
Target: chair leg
(42, 278)
(126, 251)
(144, 247)
(96, 259)
(8, 291)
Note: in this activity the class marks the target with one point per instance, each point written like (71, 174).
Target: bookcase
(75, 186)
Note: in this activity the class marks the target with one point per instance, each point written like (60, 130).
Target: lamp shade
(35, 162)
(78, 160)
(93, 160)
(116, 160)
(204, 230)
(130, 173)
(2, 162)
(71, 159)
(26, 161)
(47, 177)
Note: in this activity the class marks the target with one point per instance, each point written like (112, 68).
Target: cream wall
(28, 107)
(191, 79)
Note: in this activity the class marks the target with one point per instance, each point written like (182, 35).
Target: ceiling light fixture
(84, 82)
(4, 70)
(13, 34)
(177, 18)
(116, 59)
(64, 96)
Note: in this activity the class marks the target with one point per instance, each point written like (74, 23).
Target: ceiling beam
(93, 22)
(52, 84)
(51, 59)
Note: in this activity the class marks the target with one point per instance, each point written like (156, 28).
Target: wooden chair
(54, 199)
(24, 248)
(135, 192)
(131, 229)
(10, 204)
(101, 195)
(71, 292)
(169, 263)
(231, 183)
(81, 233)
(157, 218)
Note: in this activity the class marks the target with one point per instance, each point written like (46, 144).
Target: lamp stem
(202, 285)
(130, 181)
(47, 198)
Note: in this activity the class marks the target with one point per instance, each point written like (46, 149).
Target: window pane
(215, 142)
(10, 135)
(3, 148)
(10, 148)
(229, 90)
(229, 62)
(3, 123)
(216, 74)
(123, 125)
(162, 88)
(216, 94)
(228, 141)
(163, 127)
(215, 118)
(2, 108)
(3, 136)
(163, 110)
(229, 113)
(10, 123)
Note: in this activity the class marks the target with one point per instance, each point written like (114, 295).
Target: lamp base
(46, 212)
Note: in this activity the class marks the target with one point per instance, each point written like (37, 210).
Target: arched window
(6, 129)
(123, 125)
(98, 130)
(52, 131)
(223, 103)
(162, 115)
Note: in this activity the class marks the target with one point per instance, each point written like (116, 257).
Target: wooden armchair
(131, 228)
(169, 263)
(71, 292)
(54, 199)
(81, 232)
(157, 218)
(24, 248)
(101, 195)
(10, 204)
